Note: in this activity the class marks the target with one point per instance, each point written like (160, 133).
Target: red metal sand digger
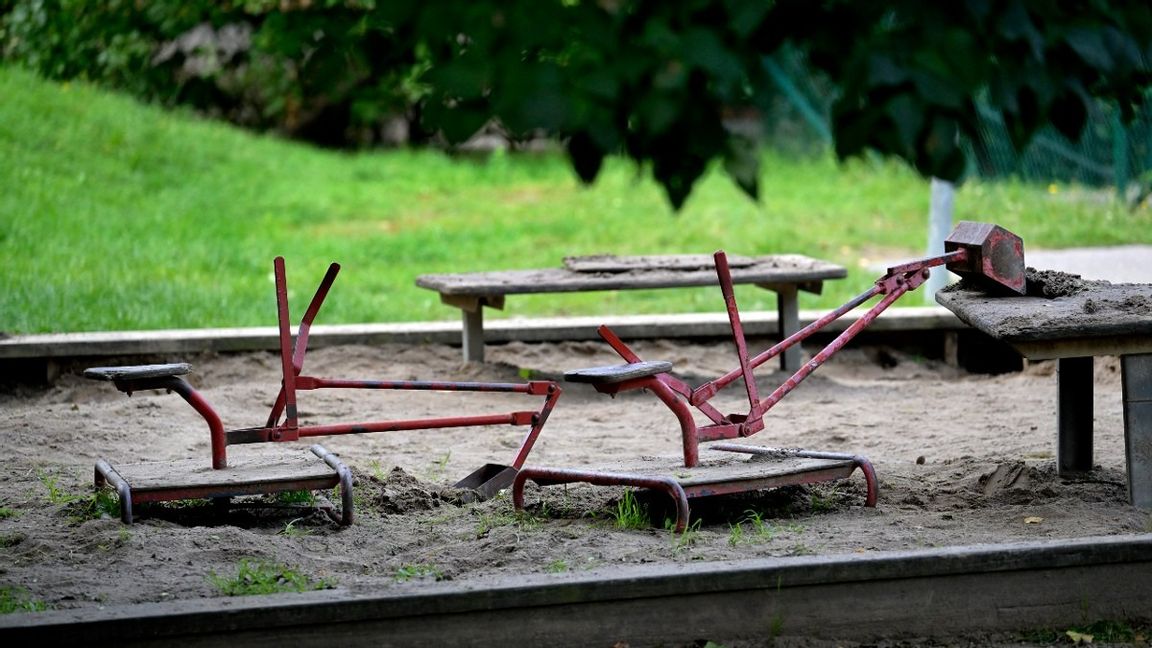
(318, 469)
(980, 252)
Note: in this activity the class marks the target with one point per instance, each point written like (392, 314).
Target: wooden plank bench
(1093, 318)
(785, 274)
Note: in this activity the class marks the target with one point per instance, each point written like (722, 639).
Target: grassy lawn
(118, 216)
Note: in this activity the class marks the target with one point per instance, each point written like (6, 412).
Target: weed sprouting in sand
(80, 506)
(489, 520)
(630, 513)
(822, 500)
(435, 472)
(753, 528)
(57, 495)
(558, 566)
(290, 529)
(296, 497)
(406, 573)
(1106, 631)
(265, 578)
(684, 539)
(17, 600)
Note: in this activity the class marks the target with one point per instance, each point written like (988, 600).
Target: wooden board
(247, 466)
(613, 263)
(726, 467)
(779, 269)
(1103, 318)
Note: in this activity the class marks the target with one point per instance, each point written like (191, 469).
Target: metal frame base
(222, 489)
(684, 483)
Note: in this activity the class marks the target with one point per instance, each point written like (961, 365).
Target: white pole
(939, 226)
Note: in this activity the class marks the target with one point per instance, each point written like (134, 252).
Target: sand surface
(962, 459)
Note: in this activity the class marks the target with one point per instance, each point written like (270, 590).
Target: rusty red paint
(553, 476)
(973, 248)
(282, 423)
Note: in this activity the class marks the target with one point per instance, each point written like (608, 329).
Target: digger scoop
(987, 254)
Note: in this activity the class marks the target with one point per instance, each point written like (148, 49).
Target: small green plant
(296, 497)
(88, 506)
(6, 513)
(436, 471)
(1103, 631)
(520, 519)
(753, 528)
(736, 534)
(630, 514)
(685, 539)
(377, 470)
(15, 600)
(822, 501)
(11, 540)
(801, 549)
(557, 566)
(290, 530)
(264, 578)
(57, 495)
(408, 572)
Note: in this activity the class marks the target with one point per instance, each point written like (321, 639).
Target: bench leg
(788, 310)
(473, 340)
(1136, 381)
(1074, 417)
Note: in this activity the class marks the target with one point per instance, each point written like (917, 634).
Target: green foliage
(558, 566)
(489, 520)
(88, 506)
(664, 82)
(1104, 631)
(673, 86)
(686, 538)
(290, 530)
(6, 513)
(16, 600)
(296, 497)
(630, 513)
(57, 495)
(325, 70)
(418, 571)
(265, 578)
(752, 528)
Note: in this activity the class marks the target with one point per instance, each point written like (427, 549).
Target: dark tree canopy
(662, 81)
(669, 84)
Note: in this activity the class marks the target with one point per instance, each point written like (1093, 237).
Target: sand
(962, 459)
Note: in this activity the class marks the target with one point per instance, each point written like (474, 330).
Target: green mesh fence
(1109, 153)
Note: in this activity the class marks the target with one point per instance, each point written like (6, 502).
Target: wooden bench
(785, 274)
(1099, 319)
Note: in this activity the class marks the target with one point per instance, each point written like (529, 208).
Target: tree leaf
(587, 157)
(1069, 113)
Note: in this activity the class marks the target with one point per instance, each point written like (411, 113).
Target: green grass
(418, 571)
(17, 600)
(630, 513)
(80, 506)
(264, 578)
(120, 216)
